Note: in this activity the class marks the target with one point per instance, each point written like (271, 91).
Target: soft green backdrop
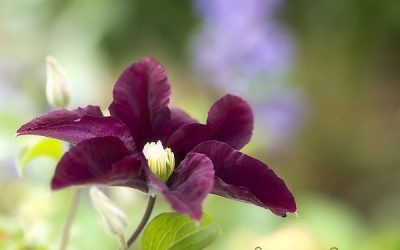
(343, 163)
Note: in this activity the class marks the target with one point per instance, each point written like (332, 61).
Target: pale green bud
(111, 217)
(57, 88)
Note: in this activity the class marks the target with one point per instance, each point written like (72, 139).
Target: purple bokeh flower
(240, 43)
(242, 48)
(280, 116)
(120, 149)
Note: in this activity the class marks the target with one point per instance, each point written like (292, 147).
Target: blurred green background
(322, 76)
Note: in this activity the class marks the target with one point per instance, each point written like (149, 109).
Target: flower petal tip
(197, 219)
(54, 186)
(286, 214)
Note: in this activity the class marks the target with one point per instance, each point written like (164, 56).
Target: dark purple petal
(80, 129)
(58, 116)
(140, 99)
(188, 185)
(230, 120)
(101, 160)
(128, 172)
(178, 119)
(241, 177)
(186, 138)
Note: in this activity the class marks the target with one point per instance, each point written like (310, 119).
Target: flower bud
(57, 88)
(113, 218)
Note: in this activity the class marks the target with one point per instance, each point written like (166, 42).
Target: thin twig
(70, 217)
(143, 222)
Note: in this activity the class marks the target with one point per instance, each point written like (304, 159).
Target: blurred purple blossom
(279, 117)
(241, 42)
(241, 47)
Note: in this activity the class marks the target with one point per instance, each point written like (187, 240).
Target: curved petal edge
(188, 185)
(241, 177)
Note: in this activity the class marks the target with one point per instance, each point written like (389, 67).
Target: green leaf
(197, 240)
(175, 231)
(45, 147)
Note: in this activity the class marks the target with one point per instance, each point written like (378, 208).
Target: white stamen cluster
(161, 161)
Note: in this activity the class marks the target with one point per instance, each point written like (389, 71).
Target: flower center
(161, 161)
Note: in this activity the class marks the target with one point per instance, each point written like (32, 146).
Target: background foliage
(336, 108)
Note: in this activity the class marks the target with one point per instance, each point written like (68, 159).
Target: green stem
(70, 218)
(143, 222)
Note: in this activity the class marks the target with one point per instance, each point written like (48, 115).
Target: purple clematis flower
(126, 148)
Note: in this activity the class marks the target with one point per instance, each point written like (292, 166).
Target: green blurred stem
(70, 217)
(143, 222)
(122, 242)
